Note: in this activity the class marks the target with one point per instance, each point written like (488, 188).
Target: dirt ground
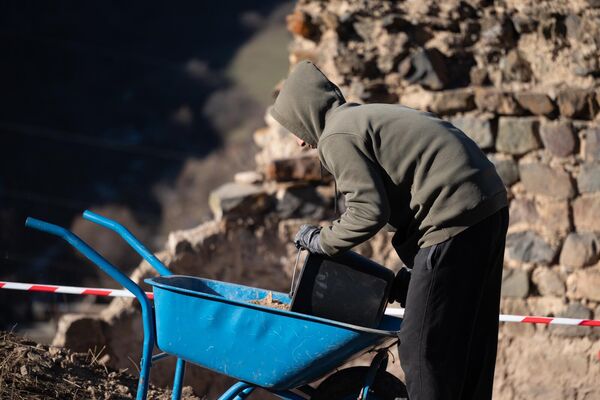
(29, 370)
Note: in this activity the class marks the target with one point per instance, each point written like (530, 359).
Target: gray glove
(309, 238)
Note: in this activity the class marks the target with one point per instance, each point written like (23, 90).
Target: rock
(573, 310)
(304, 168)
(453, 101)
(545, 215)
(516, 68)
(79, 333)
(536, 103)
(390, 50)
(498, 31)
(529, 247)
(301, 24)
(541, 179)
(496, 101)
(574, 103)
(377, 92)
(419, 98)
(543, 305)
(300, 202)
(479, 128)
(428, 69)
(586, 213)
(554, 216)
(579, 250)
(515, 283)
(588, 179)
(548, 282)
(515, 306)
(584, 284)
(479, 76)
(591, 143)
(249, 177)
(506, 168)
(233, 200)
(517, 135)
(558, 138)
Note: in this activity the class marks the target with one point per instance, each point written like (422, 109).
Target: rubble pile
(522, 79)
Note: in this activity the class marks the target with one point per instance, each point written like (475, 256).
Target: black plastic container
(348, 288)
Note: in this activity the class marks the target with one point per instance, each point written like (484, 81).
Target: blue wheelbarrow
(214, 324)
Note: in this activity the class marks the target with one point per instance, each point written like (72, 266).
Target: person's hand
(309, 238)
(400, 286)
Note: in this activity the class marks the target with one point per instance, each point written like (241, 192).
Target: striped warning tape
(398, 312)
(32, 287)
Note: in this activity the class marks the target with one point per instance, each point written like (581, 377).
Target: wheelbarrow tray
(212, 324)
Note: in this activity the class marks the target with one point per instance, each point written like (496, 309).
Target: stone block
(576, 103)
(579, 250)
(301, 24)
(233, 200)
(558, 138)
(515, 283)
(497, 101)
(573, 310)
(506, 167)
(535, 103)
(429, 69)
(542, 214)
(80, 333)
(300, 202)
(584, 284)
(306, 168)
(515, 306)
(478, 128)
(249, 177)
(586, 213)
(529, 247)
(453, 101)
(517, 135)
(548, 282)
(591, 143)
(554, 216)
(588, 180)
(541, 179)
(516, 67)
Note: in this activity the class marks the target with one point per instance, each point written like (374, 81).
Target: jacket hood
(304, 101)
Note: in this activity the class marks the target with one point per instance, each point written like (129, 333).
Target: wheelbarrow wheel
(347, 384)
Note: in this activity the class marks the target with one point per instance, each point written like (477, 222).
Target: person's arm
(358, 178)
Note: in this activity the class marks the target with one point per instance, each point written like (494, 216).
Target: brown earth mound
(29, 370)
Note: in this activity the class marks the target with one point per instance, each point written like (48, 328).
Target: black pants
(449, 335)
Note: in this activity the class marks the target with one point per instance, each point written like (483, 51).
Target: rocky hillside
(522, 79)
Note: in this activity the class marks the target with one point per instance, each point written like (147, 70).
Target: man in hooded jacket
(431, 184)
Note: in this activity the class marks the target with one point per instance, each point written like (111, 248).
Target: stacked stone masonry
(522, 79)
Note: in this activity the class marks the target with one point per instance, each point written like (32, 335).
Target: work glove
(400, 286)
(309, 238)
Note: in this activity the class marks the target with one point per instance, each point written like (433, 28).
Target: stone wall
(522, 79)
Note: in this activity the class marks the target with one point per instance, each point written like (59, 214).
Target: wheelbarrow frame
(239, 390)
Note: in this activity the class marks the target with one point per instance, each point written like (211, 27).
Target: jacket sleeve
(359, 179)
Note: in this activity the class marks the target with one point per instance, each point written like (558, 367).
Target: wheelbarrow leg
(178, 381)
(379, 362)
(236, 389)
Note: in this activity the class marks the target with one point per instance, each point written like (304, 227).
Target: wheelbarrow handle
(113, 272)
(130, 239)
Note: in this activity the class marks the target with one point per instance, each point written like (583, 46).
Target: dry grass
(33, 371)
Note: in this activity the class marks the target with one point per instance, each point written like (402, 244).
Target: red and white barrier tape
(32, 287)
(398, 312)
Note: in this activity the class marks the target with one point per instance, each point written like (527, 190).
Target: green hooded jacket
(418, 174)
